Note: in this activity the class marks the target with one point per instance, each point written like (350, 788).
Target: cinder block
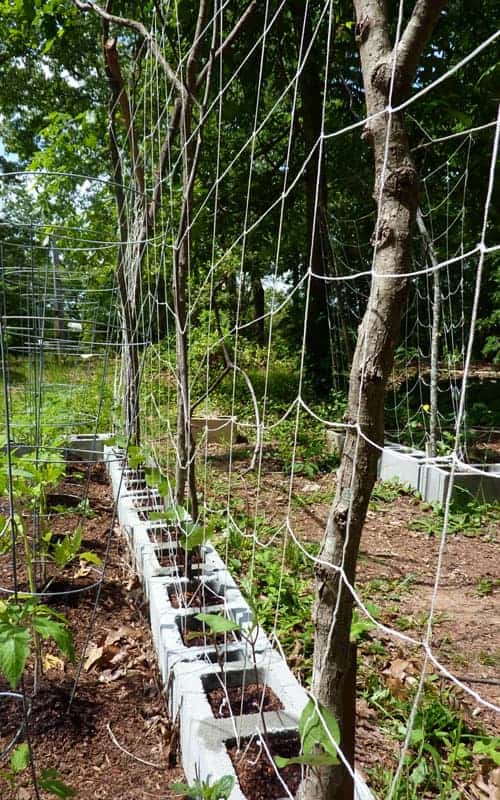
(86, 447)
(435, 479)
(401, 463)
(214, 429)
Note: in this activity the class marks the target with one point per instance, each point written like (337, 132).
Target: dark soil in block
(193, 595)
(195, 633)
(256, 773)
(136, 483)
(236, 700)
(167, 558)
(58, 500)
(164, 534)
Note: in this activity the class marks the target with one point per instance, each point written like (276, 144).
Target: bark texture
(396, 194)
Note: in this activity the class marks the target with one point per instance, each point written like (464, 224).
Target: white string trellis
(460, 254)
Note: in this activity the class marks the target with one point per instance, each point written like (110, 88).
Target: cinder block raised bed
(191, 667)
(215, 429)
(401, 463)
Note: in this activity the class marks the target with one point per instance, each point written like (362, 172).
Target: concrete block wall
(431, 478)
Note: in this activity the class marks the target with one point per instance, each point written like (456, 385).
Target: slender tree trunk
(185, 463)
(259, 308)
(396, 192)
(436, 322)
(316, 197)
(185, 460)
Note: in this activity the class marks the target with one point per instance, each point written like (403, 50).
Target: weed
(468, 519)
(485, 586)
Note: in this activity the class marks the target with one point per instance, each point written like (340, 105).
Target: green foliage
(360, 624)
(50, 781)
(20, 758)
(217, 624)
(220, 790)
(467, 518)
(319, 735)
(19, 620)
(68, 549)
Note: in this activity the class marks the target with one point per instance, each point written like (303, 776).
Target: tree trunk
(185, 463)
(259, 309)
(436, 322)
(318, 355)
(396, 192)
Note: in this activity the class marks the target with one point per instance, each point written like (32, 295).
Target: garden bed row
(232, 692)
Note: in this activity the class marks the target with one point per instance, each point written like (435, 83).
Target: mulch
(118, 692)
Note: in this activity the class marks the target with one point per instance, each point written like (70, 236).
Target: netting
(225, 213)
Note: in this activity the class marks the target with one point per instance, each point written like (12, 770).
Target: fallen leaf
(400, 676)
(494, 784)
(109, 675)
(124, 632)
(94, 654)
(53, 662)
(82, 572)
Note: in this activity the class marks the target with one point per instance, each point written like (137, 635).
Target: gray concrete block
(435, 479)
(214, 429)
(86, 447)
(401, 463)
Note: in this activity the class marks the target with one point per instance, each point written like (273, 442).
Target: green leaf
(134, 456)
(488, 747)
(185, 790)
(58, 631)
(218, 624)
(223, 788)
(67, 549)
(156, 516)
(20, 758)
(324, 760)
(314, 733)
(419, 774)
(92, 558)
(193, 536)
(50, 780)
(14, 652)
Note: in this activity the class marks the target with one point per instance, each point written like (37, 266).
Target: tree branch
(115, 77)
(194, 53)
(141, 29)
(210, 389)
(163, 160)
(230, 365)
(229, 38)
(422, 22)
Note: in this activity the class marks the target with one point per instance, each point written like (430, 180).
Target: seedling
(217, 625)
(319, 738)
(21, 621)
(201, 790)
(67, 549)
(49, 779)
